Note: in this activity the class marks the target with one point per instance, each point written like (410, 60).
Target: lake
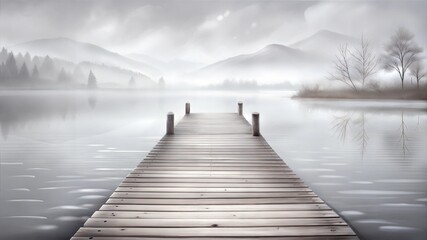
(62, 153)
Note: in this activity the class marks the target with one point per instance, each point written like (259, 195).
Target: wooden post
(240, 108)
(255, 124)
(187, 108)
(170, 124)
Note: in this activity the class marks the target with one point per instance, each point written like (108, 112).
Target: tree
(27, 60)
(10, 67)
(63, 76)
(401, 52)
(47, 69)
(19, 59)
(342, 67)
(2, 72)
(418, 71)
(91, 83)
(35, 74)
(3, 55)
(365, 61)
(132, 82)
(36, 61)
(24, 73)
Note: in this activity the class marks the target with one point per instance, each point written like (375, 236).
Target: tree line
(402, 55)
(26, 71)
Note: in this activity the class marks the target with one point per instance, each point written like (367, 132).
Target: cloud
(375, 19)
(201, 30)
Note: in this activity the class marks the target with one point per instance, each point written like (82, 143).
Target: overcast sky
(203, 30)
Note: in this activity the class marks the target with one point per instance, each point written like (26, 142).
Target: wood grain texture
(212, 179)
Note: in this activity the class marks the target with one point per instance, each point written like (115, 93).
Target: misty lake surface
(63, 153)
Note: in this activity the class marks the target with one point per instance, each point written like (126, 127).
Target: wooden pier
(213, 177)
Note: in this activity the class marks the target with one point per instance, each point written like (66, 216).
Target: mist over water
(63, 153)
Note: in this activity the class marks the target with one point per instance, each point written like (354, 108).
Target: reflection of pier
(212, 177)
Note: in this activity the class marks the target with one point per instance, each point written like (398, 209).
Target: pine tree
(91, 83)
(3, 55)
(2, 73)
(27, 60)
(35, 75)
(36, 62)
(23, 73)
(11, 68)
(63, 76)
(19, 58)
(47, 70)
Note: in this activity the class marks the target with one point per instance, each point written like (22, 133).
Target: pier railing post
(240, 108)
(170, 124)
(187, 108)
(255, 124)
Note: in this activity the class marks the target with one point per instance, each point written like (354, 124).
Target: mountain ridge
(76, 51)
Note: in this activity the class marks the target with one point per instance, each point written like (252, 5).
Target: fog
(181, 40)
(85, 86)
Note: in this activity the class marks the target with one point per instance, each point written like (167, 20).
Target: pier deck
(212, 179)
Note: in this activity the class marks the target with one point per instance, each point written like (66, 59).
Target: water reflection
(341, 126)
(92, 101)
(403, 135)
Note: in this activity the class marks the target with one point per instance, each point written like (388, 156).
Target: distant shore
(387, 93)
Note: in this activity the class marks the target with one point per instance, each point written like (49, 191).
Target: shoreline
(383, 94)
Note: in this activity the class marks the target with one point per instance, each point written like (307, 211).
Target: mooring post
(170, 124)
(255, 124)
(240, 108)
(187, 108)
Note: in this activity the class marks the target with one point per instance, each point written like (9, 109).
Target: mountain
(174, 67)
(76, 52)
(324, 43)
(273, 63)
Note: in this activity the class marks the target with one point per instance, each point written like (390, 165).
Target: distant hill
(77, 52)
(273, 63)
(175, 66)
(324, 43)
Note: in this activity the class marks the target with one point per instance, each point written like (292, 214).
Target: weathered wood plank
(214, 215)
(222, 238)
(218, 232)
(213, 208)
(108, 222)
(216, 201)
(214, 185)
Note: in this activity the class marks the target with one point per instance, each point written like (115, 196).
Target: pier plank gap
(211, 178)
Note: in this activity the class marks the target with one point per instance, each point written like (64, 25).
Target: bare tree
(365, 61)
(418, 71)
(401, 52)
(342, 67)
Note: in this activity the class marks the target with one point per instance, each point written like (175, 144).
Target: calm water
(63, 153)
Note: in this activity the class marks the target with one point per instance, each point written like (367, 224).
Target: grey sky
(203, 30)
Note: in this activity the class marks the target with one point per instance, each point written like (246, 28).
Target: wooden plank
(108, 222)
(222, 238)
(208, 175)
(218, 232)
(215, 215)
(210, 195)
(213, 208)
(210, 190)
(214, 185)
(216, 201)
